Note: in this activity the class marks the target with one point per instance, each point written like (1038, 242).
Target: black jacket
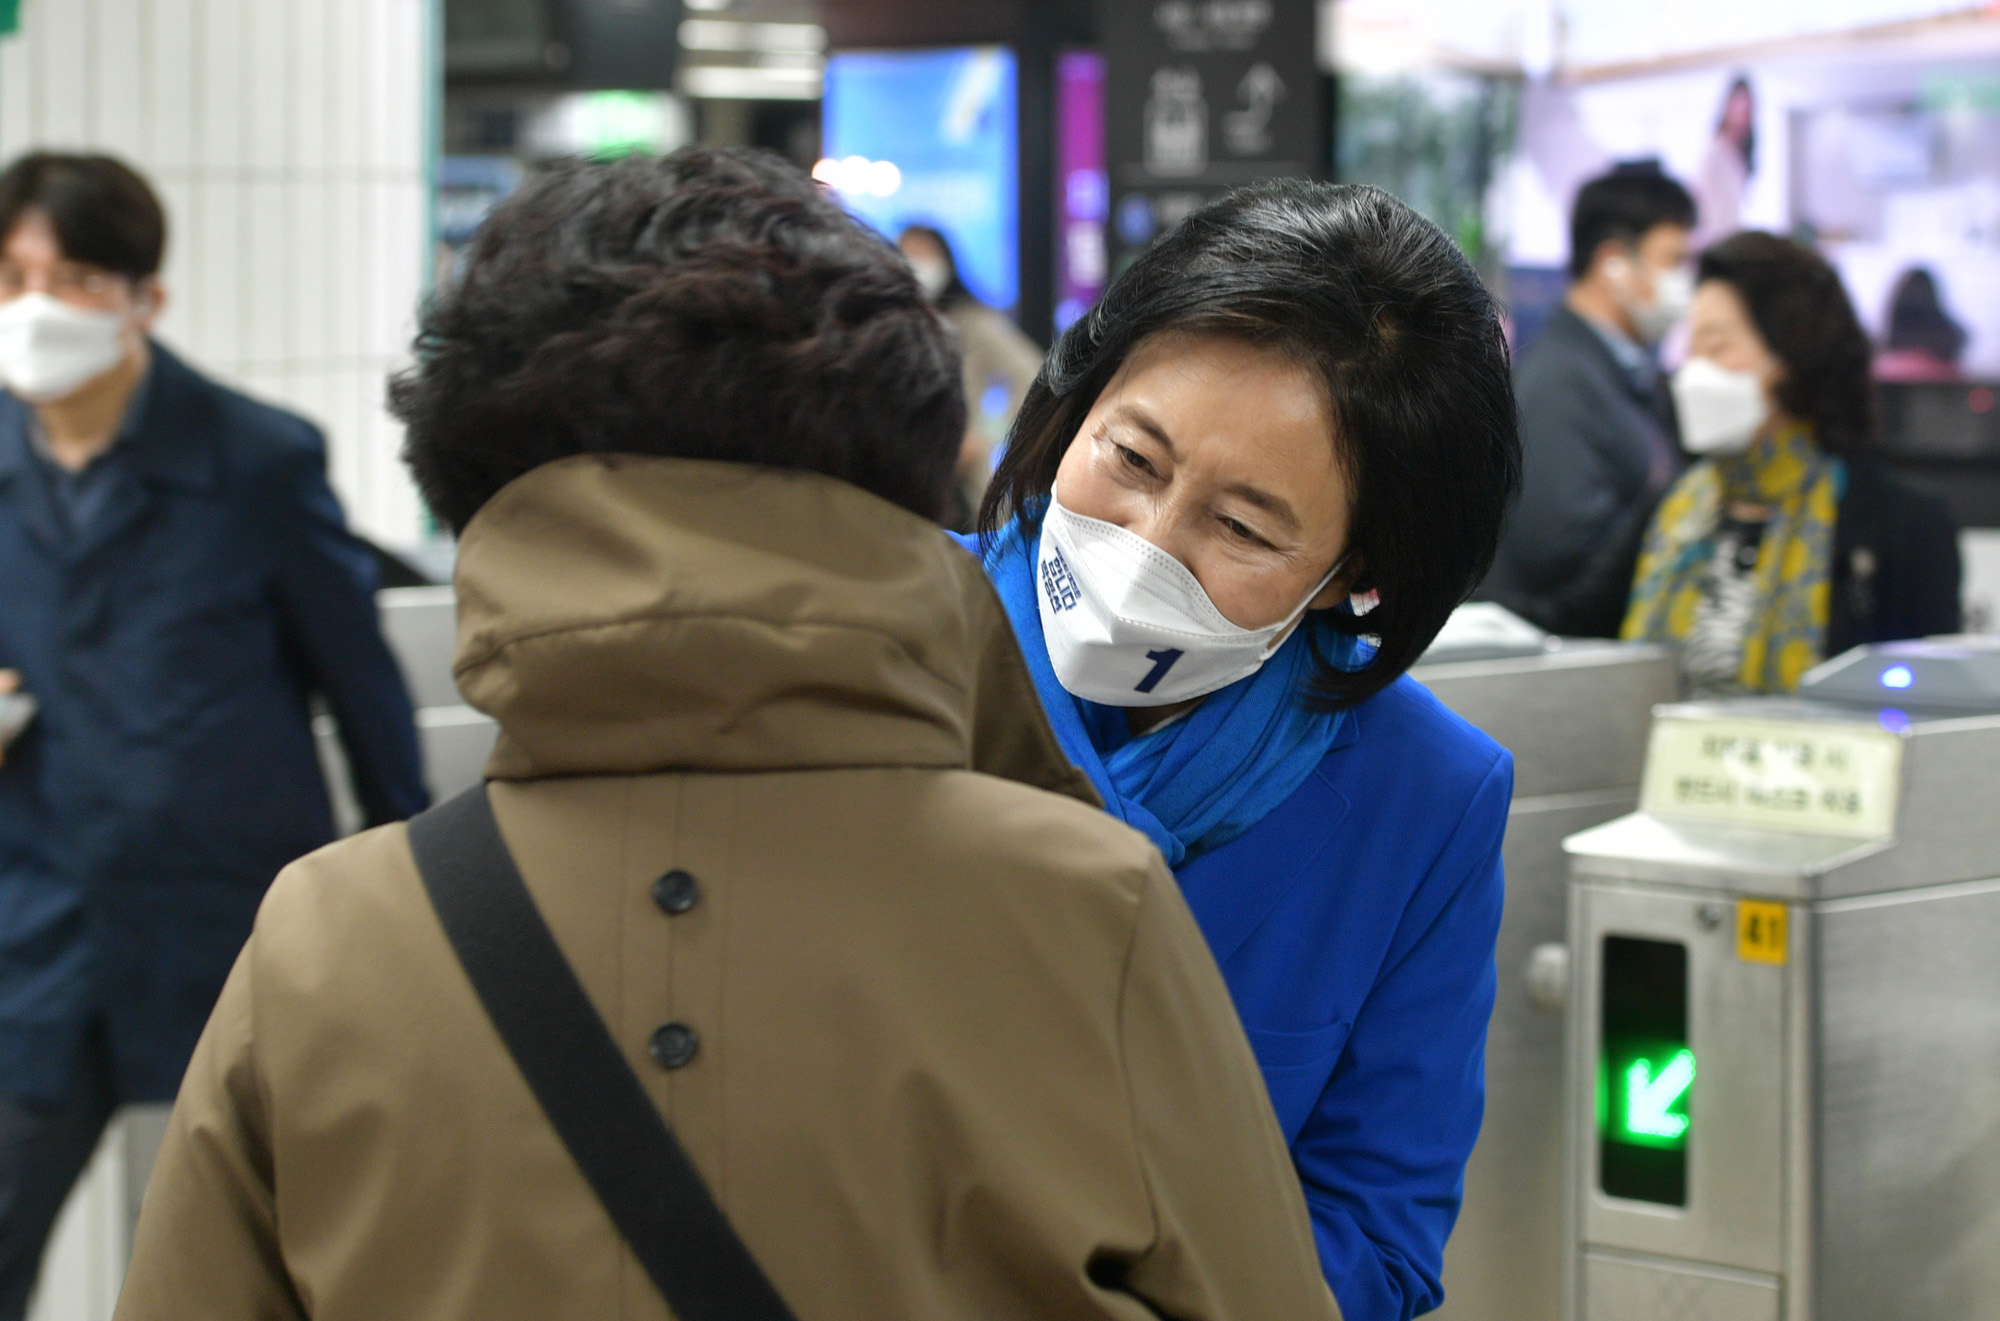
(1895, 562)
(1597, 454)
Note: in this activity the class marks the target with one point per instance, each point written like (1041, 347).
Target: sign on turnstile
(1828, 779)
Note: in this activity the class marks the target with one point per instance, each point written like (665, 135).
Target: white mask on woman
(49, 348)
(1721, 411)
(933, 276)
(1127, 624)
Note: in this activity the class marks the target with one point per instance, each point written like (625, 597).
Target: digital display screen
(1083, 189)
(1646, 1071)
(929, 137)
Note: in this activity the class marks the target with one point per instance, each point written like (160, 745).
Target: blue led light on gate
(1896, 676)
(1893, 720)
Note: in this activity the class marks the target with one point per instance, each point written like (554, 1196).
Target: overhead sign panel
(1203, 96)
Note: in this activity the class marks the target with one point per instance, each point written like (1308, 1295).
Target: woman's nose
(1166, 527)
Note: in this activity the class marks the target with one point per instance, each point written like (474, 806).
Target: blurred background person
(1000, 363)
(1597, 432)
(1787, 542)
(1726, 169)
(1923, 341)
(176, 581)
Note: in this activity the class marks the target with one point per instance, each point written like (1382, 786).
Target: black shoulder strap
(655, 1195)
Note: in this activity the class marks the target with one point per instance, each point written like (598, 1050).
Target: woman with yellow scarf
(1787, 542)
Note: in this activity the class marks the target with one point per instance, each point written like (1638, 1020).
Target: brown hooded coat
(963, 1052)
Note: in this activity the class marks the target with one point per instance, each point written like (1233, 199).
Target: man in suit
(1598, 446)
(176, 582)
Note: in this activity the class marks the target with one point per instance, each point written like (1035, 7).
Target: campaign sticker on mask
(1127, 624)
(1059, 583)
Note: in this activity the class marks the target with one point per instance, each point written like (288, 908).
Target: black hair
(1621, 207)
(955, 291)
(713, 304)
(1796, 301)
(103, 212)
(1388, 313)
(1917, 319)
(1748, 145)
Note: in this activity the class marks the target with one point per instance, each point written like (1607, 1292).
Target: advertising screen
(927, 137)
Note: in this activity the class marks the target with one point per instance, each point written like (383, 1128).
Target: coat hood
(628, 615)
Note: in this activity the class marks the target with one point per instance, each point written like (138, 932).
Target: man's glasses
(71, 283)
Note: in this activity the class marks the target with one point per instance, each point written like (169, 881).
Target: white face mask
(932, 276)
(1673, 295)
(1126, 624)
(49, 348)
(1721, 411)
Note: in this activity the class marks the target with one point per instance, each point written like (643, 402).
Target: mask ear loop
(1288, 628)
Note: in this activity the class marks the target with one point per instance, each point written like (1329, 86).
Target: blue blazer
(1355, 927)
(173, 643)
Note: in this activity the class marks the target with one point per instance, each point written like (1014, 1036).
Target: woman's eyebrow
(1147, 423)
(1274, 505)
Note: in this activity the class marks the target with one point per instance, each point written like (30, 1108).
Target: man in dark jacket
(175, 582)
(1597, 438)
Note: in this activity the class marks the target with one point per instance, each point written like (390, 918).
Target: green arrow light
(1647, 1097)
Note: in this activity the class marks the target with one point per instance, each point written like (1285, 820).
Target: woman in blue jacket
(1242, 498)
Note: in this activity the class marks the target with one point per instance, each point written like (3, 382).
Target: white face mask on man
(49, 348)
(1673, 295)
(1126, 624)
(1720, 410)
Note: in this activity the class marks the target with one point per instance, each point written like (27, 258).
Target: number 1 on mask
(1163, 660)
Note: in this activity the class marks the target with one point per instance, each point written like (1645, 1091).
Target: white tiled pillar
(288, 141)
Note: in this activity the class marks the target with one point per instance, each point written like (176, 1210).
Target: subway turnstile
(1783, 1078)
(1575, 716)
(421, 626)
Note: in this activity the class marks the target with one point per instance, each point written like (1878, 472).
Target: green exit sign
(10, 16)
(1647, 1101)
(1645, 1071)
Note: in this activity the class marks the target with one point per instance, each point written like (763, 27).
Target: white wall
(1979, 551)
(287, 139)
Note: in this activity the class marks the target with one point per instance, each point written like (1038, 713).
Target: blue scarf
(1199, 782)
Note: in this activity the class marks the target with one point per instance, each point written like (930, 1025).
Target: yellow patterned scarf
(1786, 471)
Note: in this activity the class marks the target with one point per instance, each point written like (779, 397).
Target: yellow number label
(1760, 931)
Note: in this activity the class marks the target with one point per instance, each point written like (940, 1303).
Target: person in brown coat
(952, 1043)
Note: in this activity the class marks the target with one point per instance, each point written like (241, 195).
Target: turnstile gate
(1783, 1081)
(1575, 716)
(421, 626)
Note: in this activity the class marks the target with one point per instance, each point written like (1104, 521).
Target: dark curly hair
(1385, 309)
(712, 304)
(1799, 306)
